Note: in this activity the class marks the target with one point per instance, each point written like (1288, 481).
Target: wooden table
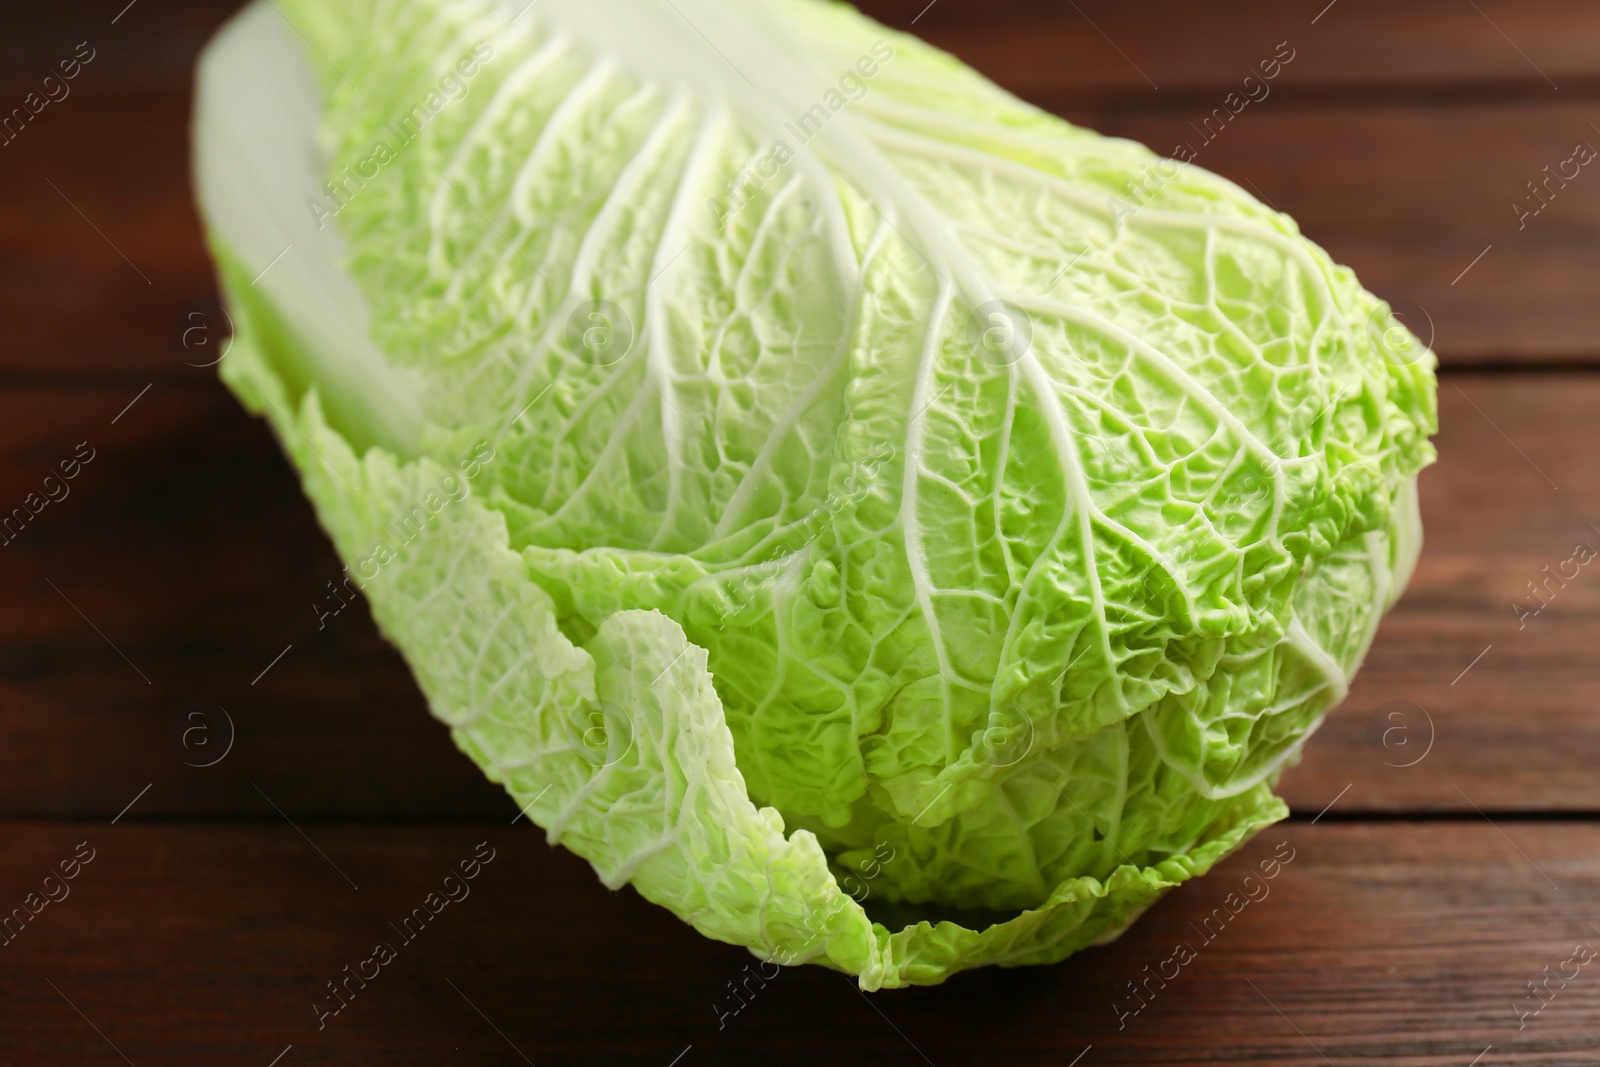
(1438, 870)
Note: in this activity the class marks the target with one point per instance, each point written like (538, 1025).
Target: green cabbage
(884, 524)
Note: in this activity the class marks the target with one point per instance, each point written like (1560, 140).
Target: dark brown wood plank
(103, 256)
(1166, 52)
(188, 543)
(1395, 944)
(134, 44)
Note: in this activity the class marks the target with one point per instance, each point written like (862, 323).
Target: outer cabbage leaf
(886, 525)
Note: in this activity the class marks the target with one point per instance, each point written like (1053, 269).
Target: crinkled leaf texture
(896, 529)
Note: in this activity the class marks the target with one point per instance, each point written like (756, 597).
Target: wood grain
(1398, 943)
(1168, 53)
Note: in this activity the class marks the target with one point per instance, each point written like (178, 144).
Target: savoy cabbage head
(886, 525)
